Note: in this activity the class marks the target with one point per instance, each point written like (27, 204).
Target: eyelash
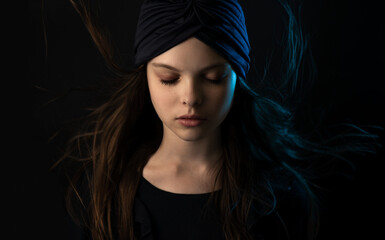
(168, 82)
(171, 82)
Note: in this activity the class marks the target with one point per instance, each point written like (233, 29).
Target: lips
(192, 117)
(191, 120)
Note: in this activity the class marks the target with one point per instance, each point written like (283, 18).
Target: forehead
(190, 55)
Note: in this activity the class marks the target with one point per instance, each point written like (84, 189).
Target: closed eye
(168, 82)
(173, 81)
(214, 81)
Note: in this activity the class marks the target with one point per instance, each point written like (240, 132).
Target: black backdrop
(347, 39)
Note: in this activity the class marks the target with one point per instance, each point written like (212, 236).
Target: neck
(175, 151)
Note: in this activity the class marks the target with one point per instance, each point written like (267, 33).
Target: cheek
(220, 99)
(220, 104)
(162, 101)
(224, 98)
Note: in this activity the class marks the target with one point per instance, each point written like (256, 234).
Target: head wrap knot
(220, 24)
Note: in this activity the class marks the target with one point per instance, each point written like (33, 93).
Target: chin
(190, 135)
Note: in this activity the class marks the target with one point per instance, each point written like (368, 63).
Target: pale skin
(190, 78)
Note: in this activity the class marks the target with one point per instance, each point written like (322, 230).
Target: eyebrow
(177, 70)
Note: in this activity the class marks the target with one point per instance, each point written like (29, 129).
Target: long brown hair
(114, 148)
(110, 153)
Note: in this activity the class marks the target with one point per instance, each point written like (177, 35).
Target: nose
(192, 93)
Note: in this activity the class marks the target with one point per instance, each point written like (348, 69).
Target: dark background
(347, 39)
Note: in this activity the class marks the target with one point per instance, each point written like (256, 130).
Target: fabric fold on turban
(220, 24)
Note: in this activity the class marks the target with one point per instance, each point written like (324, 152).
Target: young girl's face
(191, 88)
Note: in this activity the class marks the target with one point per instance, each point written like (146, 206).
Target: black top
(159, 215)
(164, 215)
(178, 216)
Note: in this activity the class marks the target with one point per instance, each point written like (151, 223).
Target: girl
(185, 147)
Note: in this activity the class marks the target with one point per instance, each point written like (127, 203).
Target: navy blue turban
(220, 24)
